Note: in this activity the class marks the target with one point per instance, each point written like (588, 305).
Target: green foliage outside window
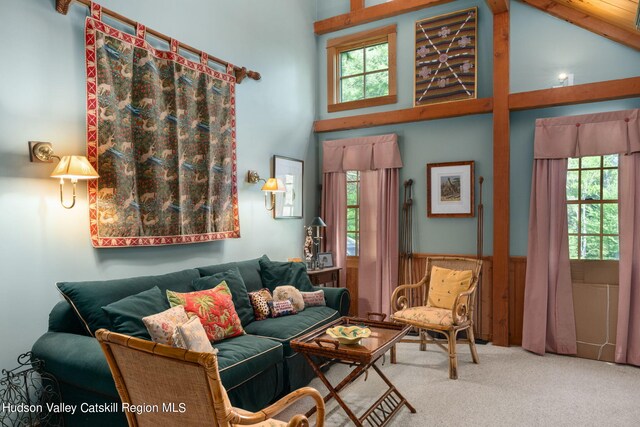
(353, 213)
(364, 72)
(592, 207)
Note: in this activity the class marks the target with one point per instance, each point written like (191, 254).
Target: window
(592, 207)
(353, 213)
(362, 69)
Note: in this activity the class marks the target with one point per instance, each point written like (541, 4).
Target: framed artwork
(325, 259)
(450, 189)
(288, 204)
(446, 58)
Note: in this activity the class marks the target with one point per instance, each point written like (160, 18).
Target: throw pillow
(281, 308)
(162, 325)
(286, 292)
(192, 336)
(215, 309)
(274, 274)
(237, 287)
(126, 314)
(260, 303)
(313, 299)
(445, 285)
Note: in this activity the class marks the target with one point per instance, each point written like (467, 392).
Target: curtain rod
(62, 6)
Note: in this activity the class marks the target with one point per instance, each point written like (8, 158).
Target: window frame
(355, 41)
(601, 202)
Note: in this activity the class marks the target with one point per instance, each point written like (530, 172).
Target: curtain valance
(616, 132)
(361, 154)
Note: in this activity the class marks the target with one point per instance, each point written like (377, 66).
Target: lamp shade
(275, 185)
(74, 168)
(317, 222)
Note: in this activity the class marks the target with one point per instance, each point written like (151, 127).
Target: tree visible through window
(592, 208)
(353, 213)
(364, 72)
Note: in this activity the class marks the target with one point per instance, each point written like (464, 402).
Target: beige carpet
(510, 387)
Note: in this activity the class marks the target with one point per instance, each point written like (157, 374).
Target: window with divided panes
(592, 207)
(353, 213)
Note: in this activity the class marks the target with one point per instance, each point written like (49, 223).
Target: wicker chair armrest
(244, 418)
(461, 310)
(398, 298)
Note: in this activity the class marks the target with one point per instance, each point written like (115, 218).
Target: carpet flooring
(510, 387)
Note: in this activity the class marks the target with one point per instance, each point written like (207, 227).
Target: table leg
(393, 388)
(333, 392)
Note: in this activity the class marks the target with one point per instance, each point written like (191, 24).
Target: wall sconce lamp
(69, 167)
(271, 186)
(566, 79)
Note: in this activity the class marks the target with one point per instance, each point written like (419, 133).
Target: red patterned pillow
(215, 309)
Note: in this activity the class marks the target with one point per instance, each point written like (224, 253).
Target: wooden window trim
(352, 41)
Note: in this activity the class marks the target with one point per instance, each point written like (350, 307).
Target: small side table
(325, 276)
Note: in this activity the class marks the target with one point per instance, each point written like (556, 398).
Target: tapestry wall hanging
(161, 134)
(446, 58)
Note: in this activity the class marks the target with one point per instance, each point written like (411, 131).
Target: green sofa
(256, 368)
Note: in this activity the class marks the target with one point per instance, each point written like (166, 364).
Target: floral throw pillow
(192, 336)
(162, 325)
(215, 309)
(313, 299)
(260, 303)
(282, 308)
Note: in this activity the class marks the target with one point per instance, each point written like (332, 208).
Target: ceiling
(621, 13)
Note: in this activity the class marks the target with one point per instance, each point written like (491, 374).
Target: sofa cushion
(284, 329)
(260, 302)
(249, 270)
(88, 298)
(243, 357)
(215, 309)
(192, 336)
(237, 287)
(126, 315)
(276, 273)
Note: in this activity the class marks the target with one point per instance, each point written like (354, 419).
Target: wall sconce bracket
(41, 152)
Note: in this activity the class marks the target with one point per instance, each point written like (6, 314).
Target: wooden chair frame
(414, 295)
(217, 399)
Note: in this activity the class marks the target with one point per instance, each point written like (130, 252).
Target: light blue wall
(541, 47)
(42, 97)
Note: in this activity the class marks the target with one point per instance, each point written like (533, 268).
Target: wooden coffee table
(361, 357)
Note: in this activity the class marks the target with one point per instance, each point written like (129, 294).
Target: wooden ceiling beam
(577, 94)
(498, 6)
(372, 13)
(620, 35)
(407, 115)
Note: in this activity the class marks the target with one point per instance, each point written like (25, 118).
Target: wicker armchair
(149, 374)
(409, 306)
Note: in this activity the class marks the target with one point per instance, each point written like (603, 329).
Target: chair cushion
(215, 309)
(234, 280)
(88, 298)
(284, 329)
(126, 315)
(445, 285)
(242, 358)
(425, 315)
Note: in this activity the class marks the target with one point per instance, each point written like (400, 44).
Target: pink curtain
(378, 160)
(334, 214)
(628, 334)
(548, 322)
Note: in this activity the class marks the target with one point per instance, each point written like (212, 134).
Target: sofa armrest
(77, 360)
(337, 298)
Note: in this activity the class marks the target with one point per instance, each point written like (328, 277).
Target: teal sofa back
(249, 270)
